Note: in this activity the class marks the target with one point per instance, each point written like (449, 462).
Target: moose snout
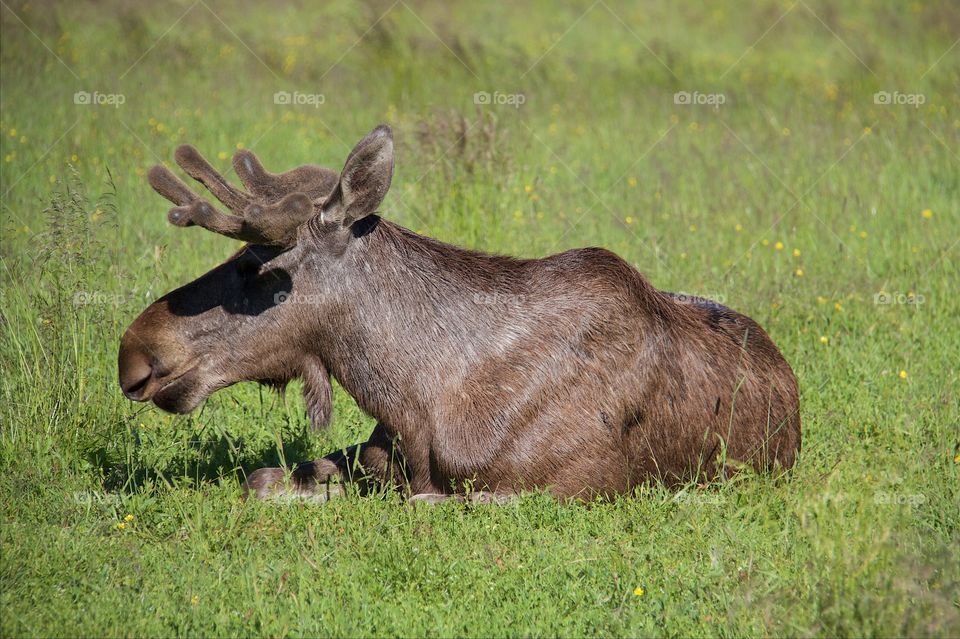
(136, 371)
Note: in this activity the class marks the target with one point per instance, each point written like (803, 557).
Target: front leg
(372, 465)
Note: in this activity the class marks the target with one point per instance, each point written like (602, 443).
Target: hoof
(308, 482)
(263, 483)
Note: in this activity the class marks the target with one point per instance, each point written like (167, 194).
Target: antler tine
(315, 181)
(197, 167)
(170, 186)
(272, 224)
(270, 214)
(191, 209)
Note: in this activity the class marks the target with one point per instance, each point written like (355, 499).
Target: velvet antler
(268, 213)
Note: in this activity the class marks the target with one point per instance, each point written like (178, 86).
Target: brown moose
(487, 375)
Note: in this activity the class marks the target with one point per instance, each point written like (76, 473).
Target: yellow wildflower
(638, 591)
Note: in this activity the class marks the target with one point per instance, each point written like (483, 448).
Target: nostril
(136, 371)
(133, 389)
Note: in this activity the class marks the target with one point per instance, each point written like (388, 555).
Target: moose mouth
(179, 394)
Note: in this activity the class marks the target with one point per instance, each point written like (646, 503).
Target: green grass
(860, 538)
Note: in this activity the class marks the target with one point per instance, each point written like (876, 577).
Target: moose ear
(365, 179)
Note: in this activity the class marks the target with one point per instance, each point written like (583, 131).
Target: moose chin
(570, 373)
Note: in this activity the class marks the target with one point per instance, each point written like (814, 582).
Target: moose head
(242, 321)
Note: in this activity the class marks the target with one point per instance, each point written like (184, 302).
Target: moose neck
(407, 315)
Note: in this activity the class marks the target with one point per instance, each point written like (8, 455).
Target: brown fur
(570, 373)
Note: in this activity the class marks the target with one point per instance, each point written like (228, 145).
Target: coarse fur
(570, 373)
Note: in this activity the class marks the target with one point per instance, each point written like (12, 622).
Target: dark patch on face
(242, 285)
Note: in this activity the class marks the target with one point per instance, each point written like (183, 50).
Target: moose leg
(371, 465)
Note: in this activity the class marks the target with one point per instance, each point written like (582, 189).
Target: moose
(487, 375)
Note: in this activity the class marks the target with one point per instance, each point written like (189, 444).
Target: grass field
(798, 161)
